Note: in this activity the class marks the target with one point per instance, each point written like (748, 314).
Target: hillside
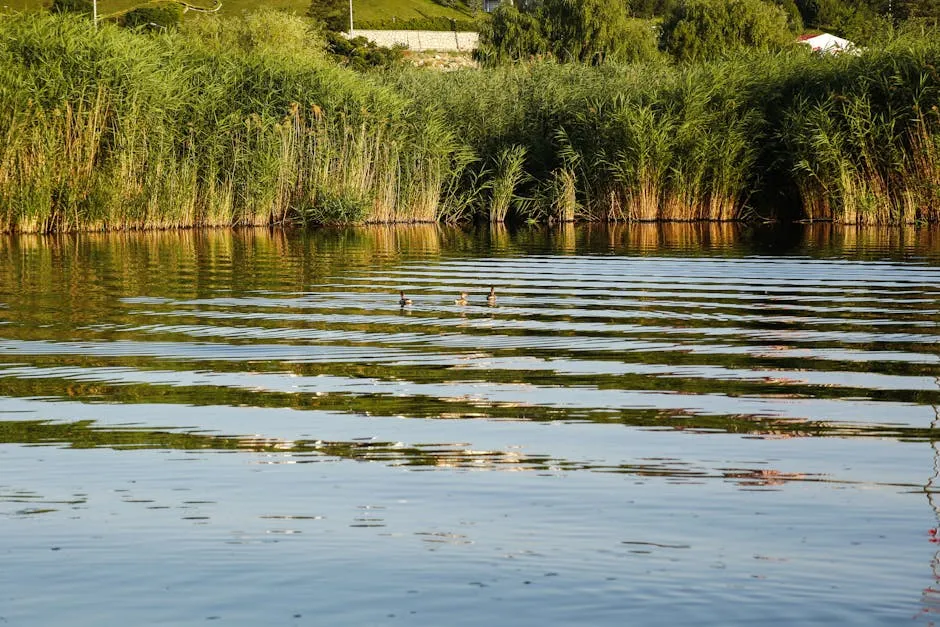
(363, 10)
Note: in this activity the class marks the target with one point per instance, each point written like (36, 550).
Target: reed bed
(107, 129)
(851, 139)
(216, 126)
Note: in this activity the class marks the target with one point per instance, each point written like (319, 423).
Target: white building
(828, 44)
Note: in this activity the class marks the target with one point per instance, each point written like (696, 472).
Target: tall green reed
(108, 129)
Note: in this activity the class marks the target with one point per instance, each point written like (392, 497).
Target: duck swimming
(462, 300)
(491, 299)
(404, 302)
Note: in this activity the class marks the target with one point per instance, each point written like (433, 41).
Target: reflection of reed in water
(931, 595)
(565, 236)
(500, 239)
(862, 240)
(386, 241)
(673, 235)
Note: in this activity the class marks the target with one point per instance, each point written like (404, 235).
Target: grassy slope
(362, 9)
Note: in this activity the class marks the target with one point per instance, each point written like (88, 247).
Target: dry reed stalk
(644, 199)
(565, 200)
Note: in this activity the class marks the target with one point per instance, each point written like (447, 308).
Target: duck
(404, 302)
(491, 299)
(462, 300)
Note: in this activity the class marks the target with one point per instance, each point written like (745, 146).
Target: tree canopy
(591, 31)
(703, 29)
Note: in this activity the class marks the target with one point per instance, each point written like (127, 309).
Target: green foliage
(794, 18)
(511, 35)
(333, 15)
(587, 31)
(638, 42)
(360, 54)
(862, 22)
(651, 8)
(160, 16)
(83, 7)
(267, 33)
(708, 29)
(925, 10)
(333, 207)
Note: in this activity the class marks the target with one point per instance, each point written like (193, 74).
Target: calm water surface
(678, 425)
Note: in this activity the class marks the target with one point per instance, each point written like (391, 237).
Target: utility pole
(350, 18)
(94, 13)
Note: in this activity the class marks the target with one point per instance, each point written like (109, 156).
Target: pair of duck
(462, 300)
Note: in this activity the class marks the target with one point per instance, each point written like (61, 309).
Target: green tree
(794, 18)
(333, 14)
(704, 29)
(511, 35)
(585, 30)
(588, 31)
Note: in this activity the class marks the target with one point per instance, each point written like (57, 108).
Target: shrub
(267, 32)
(161, 16)
(360, 54)
(707, 29)
(83, 7)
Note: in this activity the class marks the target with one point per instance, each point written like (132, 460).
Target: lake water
(674, 425)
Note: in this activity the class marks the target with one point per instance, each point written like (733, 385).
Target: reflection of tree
(931, 595)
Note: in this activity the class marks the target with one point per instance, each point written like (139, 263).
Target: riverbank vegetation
(248, 121)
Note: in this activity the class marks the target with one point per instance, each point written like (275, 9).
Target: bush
(83, 7)
(267, 32)
(161, 16)
(707, 29)
(360, 54)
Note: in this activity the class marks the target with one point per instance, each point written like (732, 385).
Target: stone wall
(421, 39)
